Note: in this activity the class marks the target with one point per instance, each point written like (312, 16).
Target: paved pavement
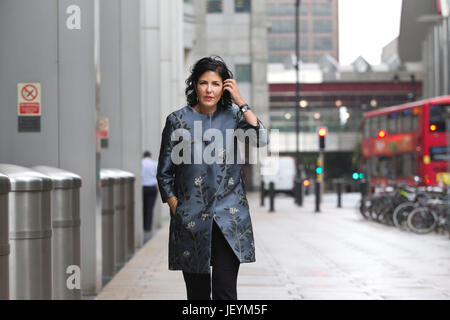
(305, 255)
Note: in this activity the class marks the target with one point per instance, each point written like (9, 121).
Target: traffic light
(322, 132)
(357, 175)
(319, 169)
(381, 134)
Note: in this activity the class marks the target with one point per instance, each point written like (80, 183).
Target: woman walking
(210, 223)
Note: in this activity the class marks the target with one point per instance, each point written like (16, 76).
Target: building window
(281, 44)
(214, 6)
(242, 5)
(243, 73)
(322, 26)
(285, 9)
(287, 26)
(321, 9)
(323, 43)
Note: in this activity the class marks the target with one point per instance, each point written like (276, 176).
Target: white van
(281, 171)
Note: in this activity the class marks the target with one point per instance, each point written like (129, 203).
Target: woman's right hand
(172, 202)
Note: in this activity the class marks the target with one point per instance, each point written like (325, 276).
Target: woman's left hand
(231, 86)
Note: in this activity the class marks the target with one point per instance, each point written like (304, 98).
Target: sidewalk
(305, 255)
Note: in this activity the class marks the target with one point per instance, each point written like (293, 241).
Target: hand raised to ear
(231, 86)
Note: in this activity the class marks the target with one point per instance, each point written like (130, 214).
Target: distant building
(424, 38)
(336, 97)
(318, 30)
(236, 30)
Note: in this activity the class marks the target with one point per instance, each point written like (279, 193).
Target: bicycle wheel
(364, 208)
(401, 214)
(422, 220)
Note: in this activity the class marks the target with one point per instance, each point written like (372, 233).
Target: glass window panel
(214, 6)
(439, 116)
(321, 9)
(392, 123)
(382, 124)
(406, 120)
(282, 26)
(367, 128)
(322, 43)
(374, 127)
(399, 167)
(243, 73)
(285, 9)
(322, 26)
(286, 44)
(242, 5)
(414, 120)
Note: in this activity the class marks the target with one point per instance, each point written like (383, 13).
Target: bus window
(386, 167)
(392, 123)
(372, 167)
(399, 165)
(414, 120)
(367, 128)
(439, 115)
(406, 120)
(373, 126)
(440, 153)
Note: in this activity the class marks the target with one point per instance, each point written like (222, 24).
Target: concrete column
(259, 59)
(120, 93)
(131, 103)
(52, 43)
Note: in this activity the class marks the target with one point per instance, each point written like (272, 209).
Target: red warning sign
(104, 128)
(29, 99)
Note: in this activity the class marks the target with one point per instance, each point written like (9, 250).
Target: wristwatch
(244, 108)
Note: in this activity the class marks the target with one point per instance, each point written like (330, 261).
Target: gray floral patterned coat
(205, 190)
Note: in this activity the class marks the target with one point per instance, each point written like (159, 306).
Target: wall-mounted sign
(103, 124)
(29, 108)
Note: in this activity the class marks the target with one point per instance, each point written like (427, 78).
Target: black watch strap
(244, 108)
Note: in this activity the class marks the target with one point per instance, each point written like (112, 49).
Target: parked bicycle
(434, 215)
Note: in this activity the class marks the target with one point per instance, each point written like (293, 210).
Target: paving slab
(303, 255)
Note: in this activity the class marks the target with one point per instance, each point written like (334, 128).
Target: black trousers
(149, 196)
(225, 268)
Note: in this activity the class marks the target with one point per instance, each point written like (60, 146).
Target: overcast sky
(365, 27)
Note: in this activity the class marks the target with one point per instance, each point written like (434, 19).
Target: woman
(210, 222)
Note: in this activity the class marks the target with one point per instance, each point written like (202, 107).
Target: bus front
(436, 144)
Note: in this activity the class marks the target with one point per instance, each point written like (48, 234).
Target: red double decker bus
(407, 141)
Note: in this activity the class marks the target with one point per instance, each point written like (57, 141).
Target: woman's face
(209, 89)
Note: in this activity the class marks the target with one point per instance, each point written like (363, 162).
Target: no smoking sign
(29, 99)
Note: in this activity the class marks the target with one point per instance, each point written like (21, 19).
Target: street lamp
(298, 182)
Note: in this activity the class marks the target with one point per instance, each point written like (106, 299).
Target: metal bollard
(120, 222)
(298, 191)
(129, 212)
(364, 188)
(339, 194)
(108, 254)
(5, 187)
(262, 193)
(30, 233)
(66, 242)
(272, 196)
(317, 190)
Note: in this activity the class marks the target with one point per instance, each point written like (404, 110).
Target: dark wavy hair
(212, 63)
